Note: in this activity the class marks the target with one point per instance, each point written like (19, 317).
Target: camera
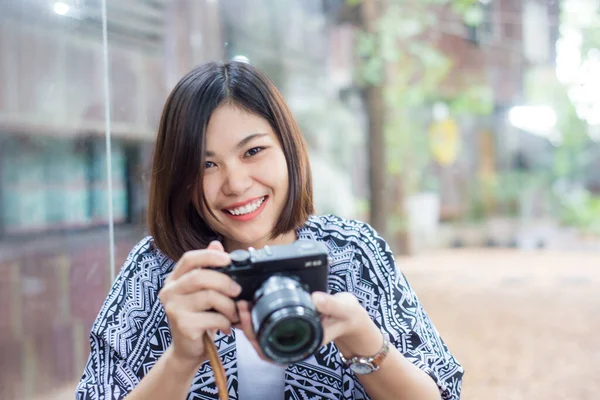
(278, 281)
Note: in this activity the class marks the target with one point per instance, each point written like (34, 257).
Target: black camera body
(278, 281)
(306, 261)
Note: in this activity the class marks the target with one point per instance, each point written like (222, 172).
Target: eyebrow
(241, 143)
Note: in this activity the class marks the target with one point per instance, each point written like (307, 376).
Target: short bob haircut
(178, 166)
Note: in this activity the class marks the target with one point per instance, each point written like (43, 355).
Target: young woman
(231, 171)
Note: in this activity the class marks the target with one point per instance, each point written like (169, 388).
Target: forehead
(230, 124)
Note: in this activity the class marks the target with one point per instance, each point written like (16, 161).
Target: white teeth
(247, 208)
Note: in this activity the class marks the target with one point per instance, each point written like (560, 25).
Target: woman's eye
(253, 151)
(209, 164)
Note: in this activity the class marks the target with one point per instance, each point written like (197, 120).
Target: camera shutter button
(240, 257)
(268, 251)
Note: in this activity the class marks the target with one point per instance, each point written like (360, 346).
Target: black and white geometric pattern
(131, 331)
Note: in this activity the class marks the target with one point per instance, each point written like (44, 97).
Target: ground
(525, 325)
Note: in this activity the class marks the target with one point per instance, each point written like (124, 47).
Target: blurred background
(465, 131)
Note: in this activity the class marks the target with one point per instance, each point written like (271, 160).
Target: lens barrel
(287, 325)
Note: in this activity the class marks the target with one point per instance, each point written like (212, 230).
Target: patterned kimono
(131, 331)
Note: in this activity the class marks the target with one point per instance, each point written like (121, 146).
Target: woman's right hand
(190, 292)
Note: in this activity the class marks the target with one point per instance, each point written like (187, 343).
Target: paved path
(525, 325)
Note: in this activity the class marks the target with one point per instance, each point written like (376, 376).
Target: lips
(247, 207)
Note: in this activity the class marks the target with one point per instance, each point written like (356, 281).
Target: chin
(253, 240)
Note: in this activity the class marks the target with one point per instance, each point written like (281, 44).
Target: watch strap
(373, 361)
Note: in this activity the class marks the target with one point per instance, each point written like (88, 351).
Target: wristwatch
(365, 365)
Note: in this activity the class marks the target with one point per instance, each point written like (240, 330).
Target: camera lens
(287, 324)
(290, 335)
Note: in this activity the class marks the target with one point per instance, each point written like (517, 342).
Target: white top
(257, 379)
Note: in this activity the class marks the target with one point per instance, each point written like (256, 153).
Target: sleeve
(107, 373)
(393, 305)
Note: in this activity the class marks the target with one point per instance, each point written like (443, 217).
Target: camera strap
(217, 367)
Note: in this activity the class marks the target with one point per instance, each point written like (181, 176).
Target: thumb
(337, 306)
(216, 245)
(324, 304)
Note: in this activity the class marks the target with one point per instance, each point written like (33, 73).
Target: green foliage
(410, 69)
(581, 211)
(476, 100)
(461, 6)
(591, 38)
(586, 19)
(572, 140)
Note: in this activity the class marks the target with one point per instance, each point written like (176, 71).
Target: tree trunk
(377, 159)
(373, 94)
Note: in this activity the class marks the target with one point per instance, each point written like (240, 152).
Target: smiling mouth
(248, 208)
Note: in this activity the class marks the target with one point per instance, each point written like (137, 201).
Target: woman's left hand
(348, 324)
(344, 321)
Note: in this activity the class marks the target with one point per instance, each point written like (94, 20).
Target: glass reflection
(53, 236)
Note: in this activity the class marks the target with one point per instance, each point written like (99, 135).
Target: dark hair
(178, 167)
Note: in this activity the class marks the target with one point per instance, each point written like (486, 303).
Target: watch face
(361, 368)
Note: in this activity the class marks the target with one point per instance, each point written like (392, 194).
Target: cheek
(283, 179)
(210, 189)
(282, 172)
(273, 173)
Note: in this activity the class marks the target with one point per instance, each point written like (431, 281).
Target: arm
(419, 366)
(114, 371)
(396, 378)
(108, 372)
(169, 378)
(356, 334)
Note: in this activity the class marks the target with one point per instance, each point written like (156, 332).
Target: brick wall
(49, 298)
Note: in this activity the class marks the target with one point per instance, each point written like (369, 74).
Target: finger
(199, 259)
(340, 305)
(192, 325)
(210, 300)
(332, 329)
(204, 279)
(246, 320)
(216, 245)
(246, 326)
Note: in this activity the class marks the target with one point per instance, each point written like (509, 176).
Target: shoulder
(133, 295)
(145, 268)
(144, 257)
(362, 243)
(332, 227)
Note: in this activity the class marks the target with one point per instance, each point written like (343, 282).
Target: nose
(237, 181)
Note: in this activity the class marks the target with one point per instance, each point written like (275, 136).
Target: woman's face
(245, 180)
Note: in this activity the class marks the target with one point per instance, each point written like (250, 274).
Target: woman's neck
(287, 238)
